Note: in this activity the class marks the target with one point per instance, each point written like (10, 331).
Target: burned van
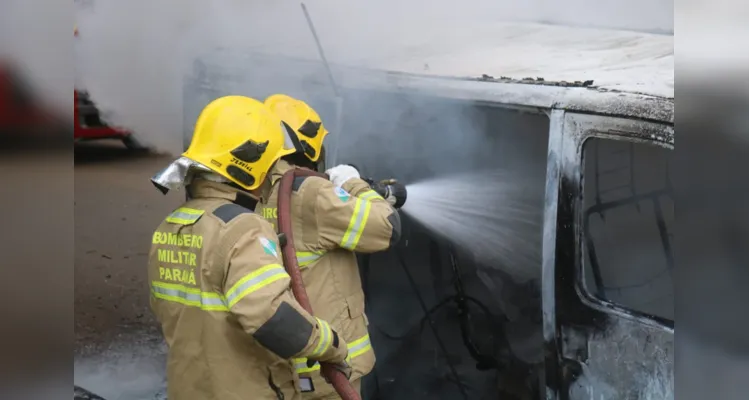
(574, 301)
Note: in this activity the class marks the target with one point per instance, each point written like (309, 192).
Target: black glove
(393, 192)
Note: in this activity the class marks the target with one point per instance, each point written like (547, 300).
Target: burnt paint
(569, 306)
(534, 81)
(80, 393)
(569, 309)
(627, 361)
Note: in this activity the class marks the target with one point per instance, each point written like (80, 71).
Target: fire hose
(339, 381)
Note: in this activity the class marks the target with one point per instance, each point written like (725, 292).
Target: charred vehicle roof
(531, 66)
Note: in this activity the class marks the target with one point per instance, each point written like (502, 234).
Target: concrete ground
(119, 352)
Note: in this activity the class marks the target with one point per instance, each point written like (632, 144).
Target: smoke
(133, 56)
(36, 46)
(152, 66)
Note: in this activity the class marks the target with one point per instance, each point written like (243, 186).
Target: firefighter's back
(210, 355)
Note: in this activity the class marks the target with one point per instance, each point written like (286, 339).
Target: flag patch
(342, 194)
(269, 247)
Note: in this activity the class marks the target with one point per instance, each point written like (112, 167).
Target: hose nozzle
(391, 190)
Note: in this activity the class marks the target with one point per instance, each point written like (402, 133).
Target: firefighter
(331, 220)
(218, 287)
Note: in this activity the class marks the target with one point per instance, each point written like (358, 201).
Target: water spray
(494, 216)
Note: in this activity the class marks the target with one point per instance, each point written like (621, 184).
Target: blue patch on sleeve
(342, 194)
(269, 247)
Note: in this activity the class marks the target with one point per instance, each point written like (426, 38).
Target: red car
(23, 118)
(89, 126)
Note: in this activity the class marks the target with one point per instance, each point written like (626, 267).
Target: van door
(608, 293)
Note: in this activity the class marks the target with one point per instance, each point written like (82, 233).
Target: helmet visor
(291, 141)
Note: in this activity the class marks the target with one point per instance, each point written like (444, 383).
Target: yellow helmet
(305, 122)
(239, 138)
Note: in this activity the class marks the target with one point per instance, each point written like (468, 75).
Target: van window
(628, 218)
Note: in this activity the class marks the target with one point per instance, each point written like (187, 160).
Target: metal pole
(332, 156)
(320, 50)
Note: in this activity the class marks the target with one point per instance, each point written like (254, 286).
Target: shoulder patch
(228, 212)
(269, 246)
(185, 216)
(341, 193)
(298, 182)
